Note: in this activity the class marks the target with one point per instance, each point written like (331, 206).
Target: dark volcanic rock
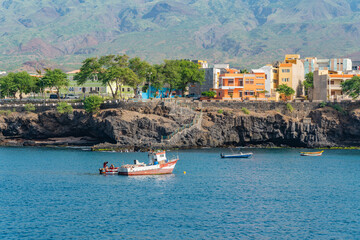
(144, 127)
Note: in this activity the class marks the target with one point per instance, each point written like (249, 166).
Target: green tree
(309, 82)
(171, 74)
(351, 87)
(142, 69)
(190, 73)
(285, 90)
(244, 71)
(56, 78)
(8, 87)
(109, 70)
(22, 82)
(92, 104)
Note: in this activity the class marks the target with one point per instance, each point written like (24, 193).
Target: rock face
(144, 127)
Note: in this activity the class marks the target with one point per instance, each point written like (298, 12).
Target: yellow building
(289, 72)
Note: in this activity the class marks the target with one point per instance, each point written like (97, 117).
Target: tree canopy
(56, 78)
(351, 87)
(285, 90)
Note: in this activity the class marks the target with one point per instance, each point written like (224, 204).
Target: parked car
(71, 96)
(53, 96)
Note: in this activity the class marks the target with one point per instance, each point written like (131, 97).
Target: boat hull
(311, 154)
(236, 156)
(166, 168)
(109, 171)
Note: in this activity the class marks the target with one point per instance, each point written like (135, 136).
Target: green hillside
(61, 33)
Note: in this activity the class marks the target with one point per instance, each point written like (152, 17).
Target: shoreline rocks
(138, 129)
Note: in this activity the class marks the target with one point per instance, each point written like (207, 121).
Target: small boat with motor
(311, 153)
(112, 170)
(158, 164)
(236, 155)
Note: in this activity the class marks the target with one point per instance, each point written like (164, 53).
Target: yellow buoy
(184, 172)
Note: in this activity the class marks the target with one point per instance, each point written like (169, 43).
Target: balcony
(335, 86)
(231, 87)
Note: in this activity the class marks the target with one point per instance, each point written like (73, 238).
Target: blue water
(58, 194)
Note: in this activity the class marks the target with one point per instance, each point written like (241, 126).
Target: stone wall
(301, 109)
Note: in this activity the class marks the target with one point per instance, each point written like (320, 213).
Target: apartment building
(327, 85)
(289, 72)
(335, 64)
(241, 86)
(211, 79)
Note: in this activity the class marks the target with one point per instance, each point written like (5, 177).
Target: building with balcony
(289, 72)
(211, 79)
(241, 86)
(327, 85)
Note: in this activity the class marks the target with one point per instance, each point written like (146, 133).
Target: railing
(186, 126)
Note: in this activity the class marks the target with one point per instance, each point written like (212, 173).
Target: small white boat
(311, 153)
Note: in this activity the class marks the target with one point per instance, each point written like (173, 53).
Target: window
(274, 71)
(332, 82)
(123, 90)
(259, 77)
(259, 84)
(249, 93)
(241, 82)
(286, 70)
(128, 89)
(231, 81)
(249, 81)
(259, 90)
(285, 79)
(230, 91)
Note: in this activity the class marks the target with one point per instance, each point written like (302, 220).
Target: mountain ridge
(240, 32)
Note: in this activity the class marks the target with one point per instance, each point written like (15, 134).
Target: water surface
(58, 193)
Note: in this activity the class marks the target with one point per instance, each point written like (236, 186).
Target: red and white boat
(158, 164)
(109, 170)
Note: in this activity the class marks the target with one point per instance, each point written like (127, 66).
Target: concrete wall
(320, 85)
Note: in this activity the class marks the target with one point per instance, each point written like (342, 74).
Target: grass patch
(338, 108)
(289, 107)
(5, 112)
(29, 107)
(220, 111)
(245, 110)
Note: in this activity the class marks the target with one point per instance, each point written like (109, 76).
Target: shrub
(29, 107)
(210, 94)
(289, 107)
(338, 108)
(64, 107)
(220, 111)
(322, 104)
(5, 112)
(92, 104)
(245, 110)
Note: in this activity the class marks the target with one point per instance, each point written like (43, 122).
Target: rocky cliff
(142, 127)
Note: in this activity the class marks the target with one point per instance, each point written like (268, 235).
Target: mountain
(245, 33)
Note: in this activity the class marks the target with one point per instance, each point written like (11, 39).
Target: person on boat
(105, 165)
(112, 166)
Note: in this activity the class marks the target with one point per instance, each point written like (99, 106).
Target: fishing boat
(158, 164)
(236, 155)
(108, 170)
(311, 153)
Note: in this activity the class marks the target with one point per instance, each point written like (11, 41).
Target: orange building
(244, 86)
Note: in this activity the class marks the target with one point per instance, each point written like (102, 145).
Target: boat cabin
(157, 157)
